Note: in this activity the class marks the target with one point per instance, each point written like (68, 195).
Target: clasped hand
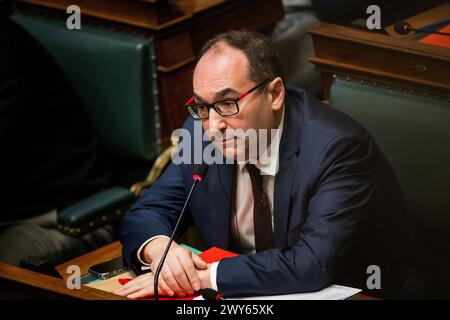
(182, 275)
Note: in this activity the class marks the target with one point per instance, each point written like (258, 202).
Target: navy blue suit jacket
(337, 209)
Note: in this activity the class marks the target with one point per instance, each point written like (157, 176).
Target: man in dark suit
(324, 208)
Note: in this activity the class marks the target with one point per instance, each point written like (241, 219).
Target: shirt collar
(271, 167)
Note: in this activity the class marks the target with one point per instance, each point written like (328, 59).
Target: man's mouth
(223, 141)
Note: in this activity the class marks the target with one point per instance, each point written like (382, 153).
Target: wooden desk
(17, 283)
(179, 29)
(20, 284)
(388, 60)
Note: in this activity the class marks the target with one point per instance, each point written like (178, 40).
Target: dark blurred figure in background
(50, 157)
(292, 41)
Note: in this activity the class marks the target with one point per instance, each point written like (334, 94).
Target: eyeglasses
(225, 108)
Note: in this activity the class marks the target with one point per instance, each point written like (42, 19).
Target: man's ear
(277, 91)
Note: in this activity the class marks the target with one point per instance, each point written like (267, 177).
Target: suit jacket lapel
(220, 189)
(284, 180)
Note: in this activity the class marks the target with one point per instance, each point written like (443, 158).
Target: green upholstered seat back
(112, 73)
(413, 131)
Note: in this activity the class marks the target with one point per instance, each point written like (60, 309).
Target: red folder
(437, 39)
(216, 254)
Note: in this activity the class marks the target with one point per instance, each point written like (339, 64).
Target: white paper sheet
(333, 292)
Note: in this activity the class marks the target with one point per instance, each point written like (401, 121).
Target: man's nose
(216, 121)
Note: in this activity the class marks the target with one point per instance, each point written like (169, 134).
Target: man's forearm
(146, 260)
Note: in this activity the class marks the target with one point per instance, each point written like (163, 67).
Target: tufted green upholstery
(112, 73)
(413, 131)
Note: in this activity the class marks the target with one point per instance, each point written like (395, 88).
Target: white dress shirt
(242, 228)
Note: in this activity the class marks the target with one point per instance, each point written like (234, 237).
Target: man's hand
(142, 286)
(205, 277)
(179, 274)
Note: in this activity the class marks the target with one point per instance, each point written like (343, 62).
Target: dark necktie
(262, 217)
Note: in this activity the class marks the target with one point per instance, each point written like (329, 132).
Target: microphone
(404, 27)
(211, 295)
(198, 174)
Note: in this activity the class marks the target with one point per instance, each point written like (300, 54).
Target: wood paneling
(380, 58)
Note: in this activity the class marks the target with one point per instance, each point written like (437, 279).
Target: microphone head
(402, 27)
(211, 294)
(199, 171)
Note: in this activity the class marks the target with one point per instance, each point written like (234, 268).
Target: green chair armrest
(95, 211)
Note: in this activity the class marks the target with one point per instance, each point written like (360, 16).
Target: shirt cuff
(145, 264)
(213, 275)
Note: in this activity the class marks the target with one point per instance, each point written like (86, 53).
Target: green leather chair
(413, 131)
(114, 75)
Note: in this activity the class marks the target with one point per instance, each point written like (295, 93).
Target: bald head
(263, 61)
(223, 70)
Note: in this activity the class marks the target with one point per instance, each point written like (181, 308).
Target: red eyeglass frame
(212, 105)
